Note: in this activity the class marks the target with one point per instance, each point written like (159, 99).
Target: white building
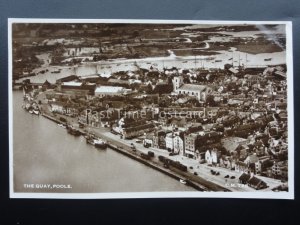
(169, 141)
(178, 144)
(211, 157)
(175, 142)
(109, 91)
(194, 90)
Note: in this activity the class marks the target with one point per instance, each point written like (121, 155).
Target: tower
(177, 82)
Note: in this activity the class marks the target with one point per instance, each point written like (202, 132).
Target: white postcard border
(126, 195)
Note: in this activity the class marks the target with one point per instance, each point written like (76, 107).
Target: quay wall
(150, 163)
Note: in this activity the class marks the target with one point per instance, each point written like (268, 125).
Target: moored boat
(99, 143)
(36, 112)
(182, 181)
(61, 125)
(73, 131)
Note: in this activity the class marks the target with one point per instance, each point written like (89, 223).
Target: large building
(200, 92)
(190, 144)
(175, 142)
(109, 91)
(77, 88)
(130, 128)
(159, 139)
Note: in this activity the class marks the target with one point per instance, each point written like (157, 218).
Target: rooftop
(108, 89)
(72, 83)
(192, 87)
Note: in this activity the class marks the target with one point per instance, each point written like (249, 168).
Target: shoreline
(196, 182)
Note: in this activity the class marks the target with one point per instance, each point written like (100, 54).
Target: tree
(210, 101)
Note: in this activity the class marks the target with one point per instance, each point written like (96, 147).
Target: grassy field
(190, 52)
(256, 49)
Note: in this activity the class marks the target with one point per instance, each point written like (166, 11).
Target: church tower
(177, 82)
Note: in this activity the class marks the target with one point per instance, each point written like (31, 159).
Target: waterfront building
(159, 139)
(170, 142)
(64, 108)
(179, 143)
(243, 179)
(241, 167)
(137, 131)
(257, 183)
(77, 88)
(149, 140)
(103, 91)
(130, 128)
(211, 157)
(190, 144)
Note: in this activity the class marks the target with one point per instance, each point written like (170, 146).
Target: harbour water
(43, 153)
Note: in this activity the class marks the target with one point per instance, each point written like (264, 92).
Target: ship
(95, 141)
(99, 143)
(36, 112)
(73, 131)
(61, 125)
(182, 181)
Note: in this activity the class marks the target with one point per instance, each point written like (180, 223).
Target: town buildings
(238, 123)
(200, 92)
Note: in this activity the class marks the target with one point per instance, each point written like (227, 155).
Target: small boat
(90, 141)
(73, 131)
(36, 112)
(61, 125)
(182, 181)
(27, 106)
(99, 143)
